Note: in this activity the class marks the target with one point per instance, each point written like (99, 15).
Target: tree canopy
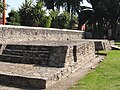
(105, 14)
(1, 7)
(14, 18)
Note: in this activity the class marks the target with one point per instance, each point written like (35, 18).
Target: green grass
(103, 52)
(117, 43)
(105, 77)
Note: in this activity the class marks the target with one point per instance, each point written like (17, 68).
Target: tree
(71, 5)
(106, 14)
(34, 14)
(38, 14)
(54, 16)
(1, 7)
(73, 22)
(67, 4)
(14, 18)
(64, 20)
(25, 12)
(49, 4)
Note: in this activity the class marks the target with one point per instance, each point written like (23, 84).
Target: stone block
(22, 81)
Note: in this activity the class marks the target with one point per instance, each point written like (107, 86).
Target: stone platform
(35, 57)
(39, 65)
(101, 44)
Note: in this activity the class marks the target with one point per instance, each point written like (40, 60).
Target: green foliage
(107, 11)
(60, 20)
(64, 20)
(25, 12)
(38, 13)
(48, 21)
(105, 77)
(14, 18)
(54, 16)
(69, 5)
(1, 7)
(73, 22)
(34, 15)
(14, 23)
(117, 43)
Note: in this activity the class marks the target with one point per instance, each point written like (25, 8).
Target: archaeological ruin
(39, 57)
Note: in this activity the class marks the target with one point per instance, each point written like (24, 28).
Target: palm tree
(25, 13)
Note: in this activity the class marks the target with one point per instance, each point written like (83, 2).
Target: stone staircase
(26, 54)
(30, 65)
(40, 66)
(18, 65)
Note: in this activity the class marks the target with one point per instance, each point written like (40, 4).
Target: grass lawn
(117, 43)
(103, 52)
(105, 77)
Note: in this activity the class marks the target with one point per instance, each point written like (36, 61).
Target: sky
(13, 4)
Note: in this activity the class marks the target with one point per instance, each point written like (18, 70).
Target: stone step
(14, 80)
(23, 75)
(28, 47)
(51, 56)
(27, 53)
(27, 75)
(115, 47)
(25, 60)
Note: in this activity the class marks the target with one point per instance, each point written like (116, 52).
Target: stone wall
(102, 45)
(20, 33)
(49, 56)
(80, 53)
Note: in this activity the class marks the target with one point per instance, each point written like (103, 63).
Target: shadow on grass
(117, 43)
(102, 52)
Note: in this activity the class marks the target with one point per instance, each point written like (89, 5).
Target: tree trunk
(100, 29)
(68, 6)
(113, 30)
(53, 5)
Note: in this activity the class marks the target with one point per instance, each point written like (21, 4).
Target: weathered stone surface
(19, 33)
(22, 81)
(39, 57)
(102, 44)
(68, 58)
(52, 56)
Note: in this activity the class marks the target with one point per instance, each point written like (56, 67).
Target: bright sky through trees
(15, 4)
